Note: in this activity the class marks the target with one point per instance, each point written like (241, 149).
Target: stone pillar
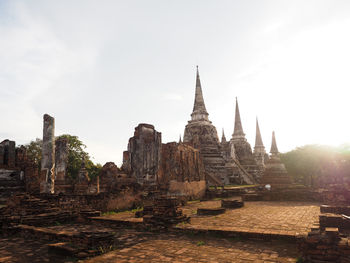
(9, 158)
(48, 156)
(2, 154)
(98, 184)
(21, 157)
(61, 156)
(11, 154)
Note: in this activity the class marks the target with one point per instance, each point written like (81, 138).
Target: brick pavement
(17, 249)
(138, 246)
(178, 248)
(283, 218)
(290, 218)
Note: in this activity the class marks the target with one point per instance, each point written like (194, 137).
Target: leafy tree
(77, 156)
(34, 151)
(318, 162)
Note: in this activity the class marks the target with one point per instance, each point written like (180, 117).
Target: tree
(34, 151)
(77, 156)
(318, 162)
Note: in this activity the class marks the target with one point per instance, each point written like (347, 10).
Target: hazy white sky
(102, 67)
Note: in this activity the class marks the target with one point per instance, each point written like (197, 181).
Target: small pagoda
(275, 173)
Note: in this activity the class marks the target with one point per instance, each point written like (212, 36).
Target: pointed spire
(199, 110)
(180, 141)
(274, 149)
(238, 131)
(223, 138)
(258, 139)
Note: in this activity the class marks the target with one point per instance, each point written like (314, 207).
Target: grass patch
(193, 201)
(137, 209)
(231, 186)
(108, 213)
(200, 243)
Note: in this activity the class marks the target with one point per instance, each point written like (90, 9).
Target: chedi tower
(275, 172)
(202, 134)
(241, 149)
(260, 154)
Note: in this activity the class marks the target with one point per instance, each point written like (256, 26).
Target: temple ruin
(228, 162)
(176, 188)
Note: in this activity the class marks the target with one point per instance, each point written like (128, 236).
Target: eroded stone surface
(182, 171)
(144, 150)
(61, 158)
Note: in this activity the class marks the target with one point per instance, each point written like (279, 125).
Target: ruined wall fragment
(182, 170)
(2, 154)
(144, 154)
(61, 158)
(9, 153)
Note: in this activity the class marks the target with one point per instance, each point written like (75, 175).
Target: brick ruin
(175, 167)
(329, 238)
(183, 169)
(142, 159)
(17, 173)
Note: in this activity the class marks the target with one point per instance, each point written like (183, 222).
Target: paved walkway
(178, 248)
(21, 250)
(291, 218)
(137, 246)
(283, 218)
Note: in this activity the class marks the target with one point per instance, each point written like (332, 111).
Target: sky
(102, 67)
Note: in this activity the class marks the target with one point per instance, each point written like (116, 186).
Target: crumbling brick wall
(143, 156)
(182, 170)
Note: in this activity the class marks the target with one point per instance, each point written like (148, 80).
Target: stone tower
(202, 135)
(238, 134)
(223, 137)
(259, 149)
(241, 149)
(275, 172)
(274, 150)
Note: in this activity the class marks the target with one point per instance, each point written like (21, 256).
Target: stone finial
(274, 149)
(238, 130)
(180, 140)
(258, 139)
(199, 110)
(223, 138)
